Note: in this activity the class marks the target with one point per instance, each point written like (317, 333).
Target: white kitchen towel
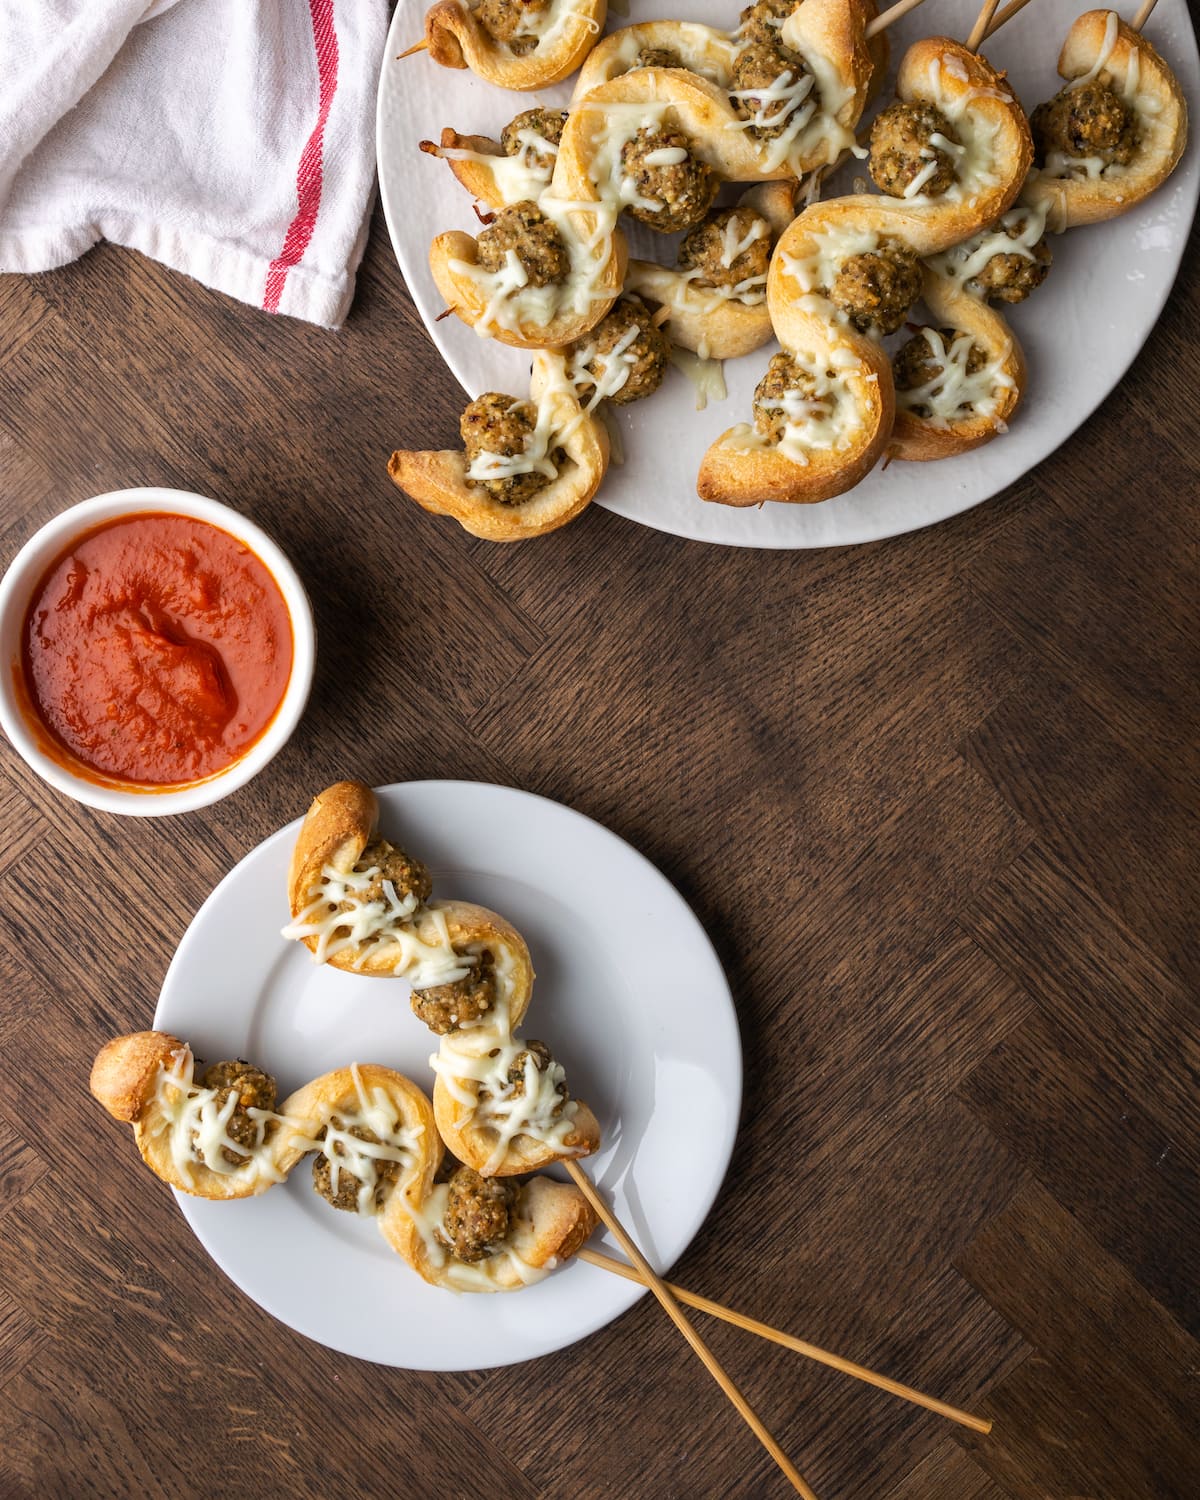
(230, 139)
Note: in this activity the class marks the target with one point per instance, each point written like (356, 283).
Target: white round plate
(1081, 331)
(629, 993)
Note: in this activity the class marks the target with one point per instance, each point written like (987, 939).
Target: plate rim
(625, 1293)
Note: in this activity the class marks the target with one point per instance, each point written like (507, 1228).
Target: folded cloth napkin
(230, 139)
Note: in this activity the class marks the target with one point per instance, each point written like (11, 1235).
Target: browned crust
(1071, 202)
(743, 478)
(455, 39)
(468, 300)
(476, 176)
(125, 1070)
(474, 1144)
(337, 828)
(124, 1079)
(554, 1220)
(944, 224)
(915, 439)
(438, 482)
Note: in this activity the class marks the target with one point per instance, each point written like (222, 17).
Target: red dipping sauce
(156, 649)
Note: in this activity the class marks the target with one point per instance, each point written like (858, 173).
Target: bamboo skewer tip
(651, 1278)
(798, 1346)
(416, 47)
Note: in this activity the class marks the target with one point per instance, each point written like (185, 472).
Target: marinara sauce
(157, 649)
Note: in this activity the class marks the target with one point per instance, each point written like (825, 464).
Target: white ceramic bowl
(26, 572)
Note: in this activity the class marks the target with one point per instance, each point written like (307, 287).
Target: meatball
(254, 1089)
(494, 423)
(784, 378)
(445, 1007)
(477, 1213)
(1010, 276)
(657, 57)
(645, 357)
(547, 123)
(681, 187)
(523, 227)
(759, 65)
(710, 248)
(345, 1195)
(902, 149)
(877, 288)
(765, 17)
(542, 1060)
(407, 876)
(1087, 121)
(502, 20)
(915, 363)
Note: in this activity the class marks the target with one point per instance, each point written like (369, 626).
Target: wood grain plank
(947, 1474)
(1131, 1183)
(1054, 760)
(1113, 1415)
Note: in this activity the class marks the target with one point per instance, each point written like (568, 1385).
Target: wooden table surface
(935, 801)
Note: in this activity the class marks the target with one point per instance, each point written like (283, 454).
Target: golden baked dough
(456, 38)
(1101, 47)
(966, 409)
(833, 422)
(488, 173)
(438, 481)
(146, 1079)
(367, 1097)
(496, 1127)
(717, 323)
(828, 34)
(550, 1222)
(434, 944)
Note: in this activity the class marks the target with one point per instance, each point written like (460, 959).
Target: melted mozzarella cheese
(346, 1152)
(616, 366)
(340, 919)
(963, 263)
(953, 394)
(522, 177)
(707, 375)
(195, 1126)
(476, 1077)
(824, 418)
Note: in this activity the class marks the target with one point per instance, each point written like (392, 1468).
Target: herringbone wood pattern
(935, 800)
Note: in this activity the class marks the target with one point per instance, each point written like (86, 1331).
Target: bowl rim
(27, 568)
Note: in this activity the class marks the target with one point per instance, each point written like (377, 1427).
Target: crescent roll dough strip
(965, 408)
(431, 943)
(391, 1108)
(488, 173)
(717, 322)
(440, 482)
(549, 1222)
(146, 1079)
(826, 103)
(498, 1127)
(566, 32)
(1084, 190)
(834, 421)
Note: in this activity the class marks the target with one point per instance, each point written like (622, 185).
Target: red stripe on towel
(310, 173)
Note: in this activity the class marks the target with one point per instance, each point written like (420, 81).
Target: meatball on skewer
(623, 359)
(913, 150)
(663, 184)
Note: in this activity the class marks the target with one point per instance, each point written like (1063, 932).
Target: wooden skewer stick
(798, 1346)
(1143, 15)
(416, 47)
(893, 13)
(1002, 17)
(981, 26)
(584, 1183)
